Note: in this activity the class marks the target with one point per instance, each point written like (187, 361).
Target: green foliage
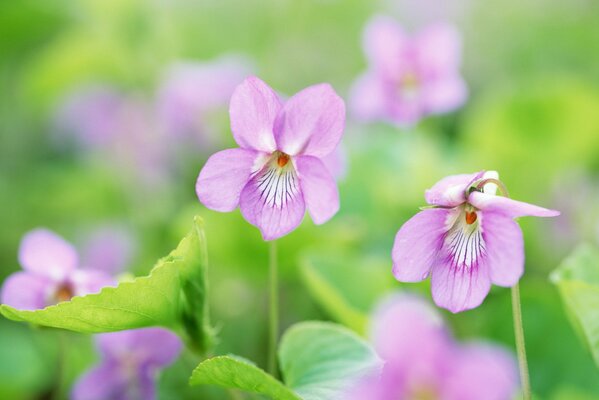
(173, 295)
(578, 282)
(318, 359)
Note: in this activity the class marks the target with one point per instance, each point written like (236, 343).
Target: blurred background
(109, 108)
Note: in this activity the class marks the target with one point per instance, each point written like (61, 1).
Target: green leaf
(235, 372)
(173, 295)
(346, 288)
(319, 360)
(577, 279)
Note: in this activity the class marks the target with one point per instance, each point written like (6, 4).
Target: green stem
(273, 305)
(520, 345)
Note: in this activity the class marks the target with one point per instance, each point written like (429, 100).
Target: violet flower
(50, 275)
(109, 248)
(408, 77)
(277, 172)
(467, 240)
(130, 362)
(423, 361)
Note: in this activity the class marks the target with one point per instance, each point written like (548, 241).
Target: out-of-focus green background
(533, 115)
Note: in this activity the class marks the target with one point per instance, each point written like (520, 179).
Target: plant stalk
(273, 306)
(520, 344)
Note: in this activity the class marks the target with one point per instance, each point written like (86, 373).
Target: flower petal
(439, 49)
(109, 248)
(103, 382)
(272, 201)
(253, 109)
(507, 206)
(319, 189)
(336, 163)
(90, 281)
(444, 95)
(504, 248)
(311, 122)
(44, 252)
(417, 245)
(384, 44)
(26, 291)
(223, 177)
(457, 288)
(367, 98)
(481, 371)
(451, 190)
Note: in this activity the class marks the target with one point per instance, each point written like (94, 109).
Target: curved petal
(90, 281)
(336, 163)
(417, 245)
(439, 49)
(318, 187)
(481, 371)
(368, 98)
(44, 252)
(504, 248)
(507, 206)
(223, 177)
(109, 248)
(311, 122)
(444, 95)
(384, 44)
(451, 190)
(253, 109)
(103, 382)
(458, 288)
(272, 201)
(26, 291)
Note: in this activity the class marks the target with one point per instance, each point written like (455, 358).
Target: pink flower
(423, 361)
(50, 273)
(466, 241)
(408, 77)
(277, 172)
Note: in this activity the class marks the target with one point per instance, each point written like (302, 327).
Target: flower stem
(273, 306)
(520, 345)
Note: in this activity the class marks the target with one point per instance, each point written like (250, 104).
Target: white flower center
(464, 241)
(277, 181)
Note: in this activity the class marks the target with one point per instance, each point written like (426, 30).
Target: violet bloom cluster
(129, 365)
(408, 77)
(423, 361)
(465, 241)
(51, 273)
(278, 170)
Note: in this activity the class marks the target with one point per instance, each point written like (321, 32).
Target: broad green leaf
(319, 360)
(346, 288)
(235, 372)
(578, 282)
(173, 295)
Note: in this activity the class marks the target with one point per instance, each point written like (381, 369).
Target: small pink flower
(278, 171)
(408, 77)
(423, 361)
(465, 242)
(50, 275)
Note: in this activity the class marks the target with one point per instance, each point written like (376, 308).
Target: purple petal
(444, 95)
(368, 98)
(155, 347)
(439, 50)
(90, 281)
(319, 189)
(311, 122)
(223, 177)
(385, 45)
(507, 206)
(253, 109)
(417, 245)
(481, 371)
(44, 252)
(273, 202)
(459, 288)
(336, 163)
(104, 382)
(451, 190)
(108, 249)
(26, 291)
(504, 248)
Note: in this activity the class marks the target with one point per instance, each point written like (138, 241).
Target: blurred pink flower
(109, 248)
(51, 273)
(278, 170)
(192, 90)
(423, 361)
(408, 77)
(130, 363)
(466, 241)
